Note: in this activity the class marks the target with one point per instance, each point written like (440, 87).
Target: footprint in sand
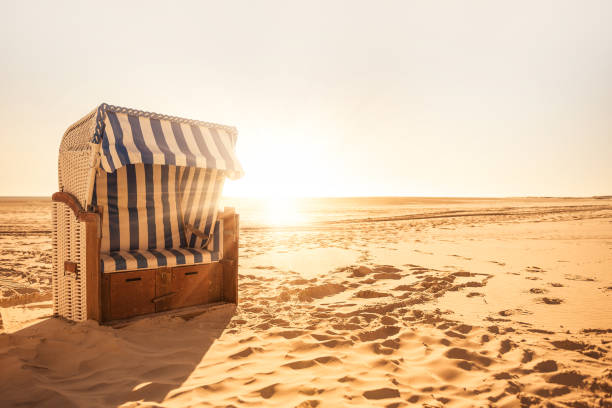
(461, 257)
(570, 378)
(387, 275)
(336, 343)
(370, 294)
(452, 333)
(551, 301)
(579, 278)
(506, 345)
(527, 356)
(510, 312)
(541, 331)
(469, 356)
(417, 270)
(588, 350)
(502, 376)
(463, 328)
(388, 321)
(331, 341)
(547, 366)
(309, 404)
(538, 291)
(569, 345)
(386, 268)
(267, 392)
(320, 291)
(302, 364)
(404, 288)
(361, 271)
(552, 392)
(463, 274)
(381, 393)
(246, 352)
(378, 348)
(380, 333)
(288, 334)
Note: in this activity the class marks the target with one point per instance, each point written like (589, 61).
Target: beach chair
(136, 224)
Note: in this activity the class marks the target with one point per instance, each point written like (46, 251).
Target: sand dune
(503, 308)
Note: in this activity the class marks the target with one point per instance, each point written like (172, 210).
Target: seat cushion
(117, 261)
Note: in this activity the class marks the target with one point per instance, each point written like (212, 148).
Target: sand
(426, 303)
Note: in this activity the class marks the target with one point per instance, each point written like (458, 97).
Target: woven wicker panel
(79, 134)
(55, 239)
(69, 244)
(74, 172)
(76, 159)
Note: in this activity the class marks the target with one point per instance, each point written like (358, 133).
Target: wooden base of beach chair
(127, 294)
(142, 292)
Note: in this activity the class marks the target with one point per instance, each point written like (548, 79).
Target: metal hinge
(70, 269)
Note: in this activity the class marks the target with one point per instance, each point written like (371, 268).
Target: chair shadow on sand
(57, 363)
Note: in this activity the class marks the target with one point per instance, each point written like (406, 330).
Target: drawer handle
(191, 273)
(133, 279)
(162, 297)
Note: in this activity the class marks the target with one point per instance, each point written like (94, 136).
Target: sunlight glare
(282, 211)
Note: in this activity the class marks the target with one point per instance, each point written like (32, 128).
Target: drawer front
(196, 285)
(131, 294)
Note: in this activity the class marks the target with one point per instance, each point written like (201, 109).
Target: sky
(330, 98)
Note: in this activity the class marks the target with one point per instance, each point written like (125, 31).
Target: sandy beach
(345, 302)
(306, 204)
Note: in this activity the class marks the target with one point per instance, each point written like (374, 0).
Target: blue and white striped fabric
(131, 137)
(200, 192)
(145, 208)
(117, 261)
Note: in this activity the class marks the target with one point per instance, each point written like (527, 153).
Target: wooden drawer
(196, 285)
(156, 290)
(131, 293)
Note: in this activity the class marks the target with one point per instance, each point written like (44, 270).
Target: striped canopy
(129, 136)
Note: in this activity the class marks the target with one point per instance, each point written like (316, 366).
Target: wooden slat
(231, 230)
(92, 268)
(163, 287)
(105, 299)
(185, 313)
(215, 288)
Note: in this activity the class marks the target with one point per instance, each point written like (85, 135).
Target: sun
(281, 210)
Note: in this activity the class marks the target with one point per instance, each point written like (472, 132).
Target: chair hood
(128, 136)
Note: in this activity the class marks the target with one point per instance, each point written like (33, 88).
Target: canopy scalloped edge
(104, 107)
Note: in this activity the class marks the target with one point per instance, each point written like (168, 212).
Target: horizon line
(605, 196)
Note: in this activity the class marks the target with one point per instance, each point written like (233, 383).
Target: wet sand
(427, 302)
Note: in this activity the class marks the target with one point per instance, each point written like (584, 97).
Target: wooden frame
(122, 295)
